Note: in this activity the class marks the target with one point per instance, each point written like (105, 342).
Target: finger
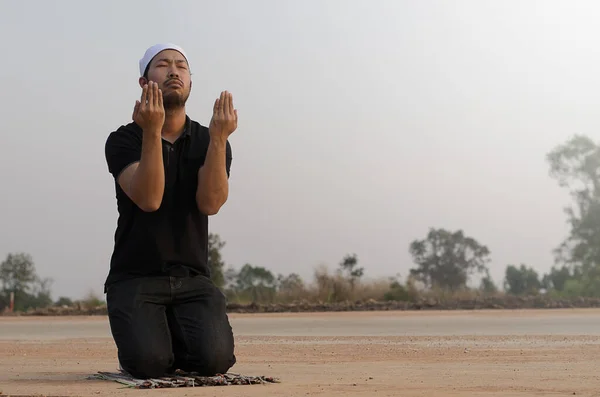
(216, 106)
(135, 109)
(225, 103)
(230, 110)
(235, 113)
(156, 95)
(221, 102)
(144, 95)
(160, 99)
(150, 97)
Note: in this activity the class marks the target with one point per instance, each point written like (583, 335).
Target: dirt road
(482, 353)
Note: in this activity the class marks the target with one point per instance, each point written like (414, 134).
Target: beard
(175, 99)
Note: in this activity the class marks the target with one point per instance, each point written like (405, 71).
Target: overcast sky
(362, 124)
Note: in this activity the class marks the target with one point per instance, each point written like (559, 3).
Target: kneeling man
(170, 174)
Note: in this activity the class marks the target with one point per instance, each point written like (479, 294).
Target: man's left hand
(224, 119)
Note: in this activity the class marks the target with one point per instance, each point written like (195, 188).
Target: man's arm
(143, 181)
(213, 184)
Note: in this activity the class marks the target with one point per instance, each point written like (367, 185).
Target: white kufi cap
(155, 49)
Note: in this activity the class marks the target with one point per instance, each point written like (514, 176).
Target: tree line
(444, 260)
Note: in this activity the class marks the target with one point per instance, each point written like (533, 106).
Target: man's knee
(147, 365)
(210, 357)
(210, 362)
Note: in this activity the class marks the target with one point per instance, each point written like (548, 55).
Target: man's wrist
(218, 143)
(152, 132)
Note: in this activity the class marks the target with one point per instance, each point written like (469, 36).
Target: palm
(224, 118)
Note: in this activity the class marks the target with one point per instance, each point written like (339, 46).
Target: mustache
(174, 79)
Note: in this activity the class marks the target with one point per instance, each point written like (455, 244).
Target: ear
(143, 81)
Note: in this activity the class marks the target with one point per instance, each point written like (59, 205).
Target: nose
(173, 74)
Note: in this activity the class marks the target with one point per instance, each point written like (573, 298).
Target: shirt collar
(187, 130)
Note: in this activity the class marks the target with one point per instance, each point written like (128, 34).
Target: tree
(487, 285)
(230, 276)
(64, 301)
(290, 287)
(522, 280)
(41, 293)
(576, 166)
(399, 292)
(349, 265)
(18, 275)
(256, 282)
(253, 276)
(446, 259)
(215, 261)
(557, 278)
(290, 283)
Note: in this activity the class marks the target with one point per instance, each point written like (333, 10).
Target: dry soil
(483, 353)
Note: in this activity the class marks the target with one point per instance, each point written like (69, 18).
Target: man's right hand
(149, 112)
(144, 180)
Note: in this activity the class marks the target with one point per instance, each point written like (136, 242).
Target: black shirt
(149, 243)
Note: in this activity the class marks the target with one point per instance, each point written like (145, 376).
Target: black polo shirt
(176, 235)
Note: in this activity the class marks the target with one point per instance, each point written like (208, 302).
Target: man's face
(171, 71)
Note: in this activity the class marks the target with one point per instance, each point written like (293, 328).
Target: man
(170, 174)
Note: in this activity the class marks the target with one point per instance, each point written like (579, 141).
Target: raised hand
(224, 119)
(149, 112)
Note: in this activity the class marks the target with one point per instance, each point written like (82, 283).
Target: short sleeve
(123, 147)
(228, 158)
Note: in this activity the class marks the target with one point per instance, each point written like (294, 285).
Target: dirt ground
(408, 365)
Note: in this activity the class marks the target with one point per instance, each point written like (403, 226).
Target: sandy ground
(483, 353)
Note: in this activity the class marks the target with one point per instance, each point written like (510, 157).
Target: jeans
(165, 323)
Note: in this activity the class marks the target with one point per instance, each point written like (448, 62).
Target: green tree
(42, 293)
(447, 259)
(18, 275)
(557, 278)
(487, 285)
(397, 291)
(576, 166)
(252, 276)
(290, 287)
(349, 266)
(521, 280)
(63, 301)
(290, 283)
(230, 276)
(256, 283)
(215, 260)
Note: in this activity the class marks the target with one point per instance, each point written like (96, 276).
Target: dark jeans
(160, 324)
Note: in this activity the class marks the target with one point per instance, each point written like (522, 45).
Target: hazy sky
(362, 124)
